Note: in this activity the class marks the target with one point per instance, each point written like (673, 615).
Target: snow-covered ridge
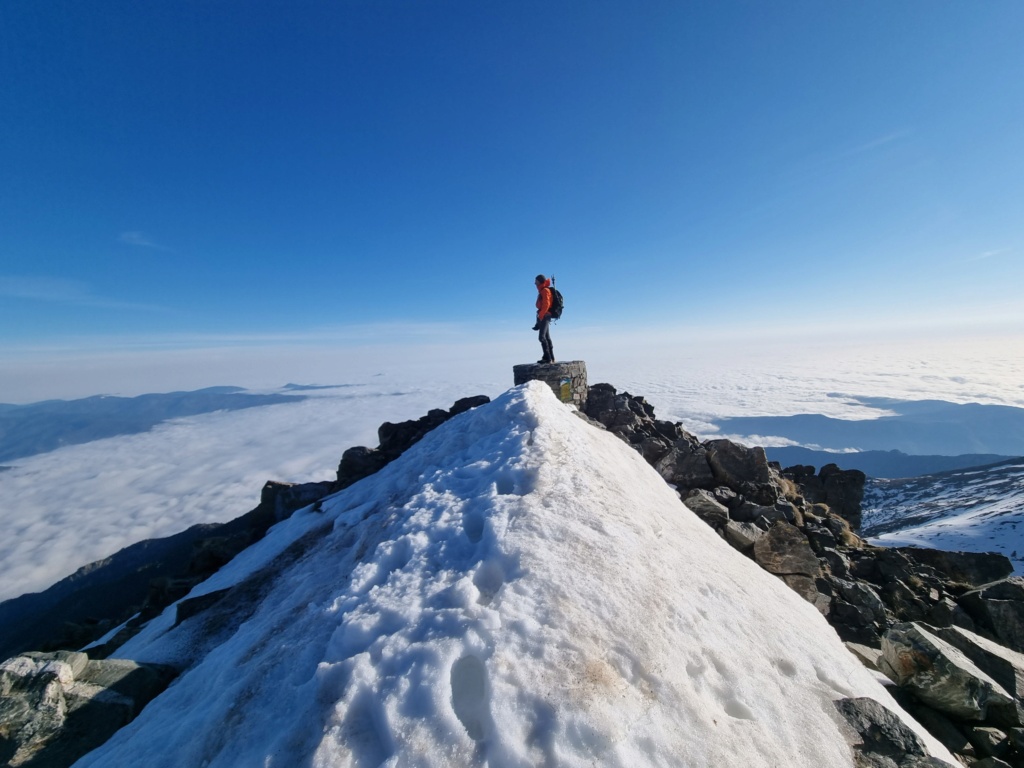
(518, 588)
(977, 510)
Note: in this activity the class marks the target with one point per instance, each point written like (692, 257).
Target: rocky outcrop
(395, 439)
(939, 674)
(964, 688)
(880, 739)
(999, 609)
(1004, 666)
(971, 568)
(783, 550)
(841, 489)
(680, 457)
(56, 707)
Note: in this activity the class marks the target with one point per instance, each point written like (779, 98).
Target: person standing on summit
(544, 318)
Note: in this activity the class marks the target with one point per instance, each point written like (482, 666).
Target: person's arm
(544, 303)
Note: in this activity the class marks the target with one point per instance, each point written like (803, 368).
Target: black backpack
(556, 303)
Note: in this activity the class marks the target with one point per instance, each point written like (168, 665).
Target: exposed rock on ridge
(56, 707)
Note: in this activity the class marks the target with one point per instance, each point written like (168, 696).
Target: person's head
(540, 280)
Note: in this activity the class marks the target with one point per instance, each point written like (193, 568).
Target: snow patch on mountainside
(519, 588)
(976, 510)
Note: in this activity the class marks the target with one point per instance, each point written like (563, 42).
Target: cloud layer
(78, 504)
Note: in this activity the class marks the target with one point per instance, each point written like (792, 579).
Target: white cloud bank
(78, 504)
(65, 509)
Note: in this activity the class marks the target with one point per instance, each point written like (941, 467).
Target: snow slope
(519, 589)
(975, 510)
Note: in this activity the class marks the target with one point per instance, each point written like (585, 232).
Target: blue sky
(237, 172)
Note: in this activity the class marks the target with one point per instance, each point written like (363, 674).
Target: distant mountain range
(920, 437)
(882, 464)
(26, 430)
(918, 427)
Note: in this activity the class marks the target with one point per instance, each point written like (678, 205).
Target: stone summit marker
(567, 380)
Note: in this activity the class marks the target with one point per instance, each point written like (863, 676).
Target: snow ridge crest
(517, 588)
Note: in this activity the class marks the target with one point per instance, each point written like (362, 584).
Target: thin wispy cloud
(140, 240)
(874, 144)
(43, 289)
(988, 254)
(63, 291)
(829, 161)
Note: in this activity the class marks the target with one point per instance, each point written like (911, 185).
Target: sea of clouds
(75, 505)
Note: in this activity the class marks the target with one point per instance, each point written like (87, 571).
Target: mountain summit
(519, 588)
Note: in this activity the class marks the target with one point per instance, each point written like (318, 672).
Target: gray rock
(1002, 664)
(726, 496)
(358, 462)
(939, 674)
(988, 741)
(942, 728)
(879, 738)
(1017, 738)
(784, 550)
(743, 469)
(819, 537)
(748, 512)
(865, 654)
(972, 568)
(742, 536)
(285, 498)
(837, 563)
(840, 528)
(32, 706)
(904, 603)
(707, 508)
(653, 448)
(468, 403)
(842, 490)
(1011, 588)
(946, 613)
(600, 397)
(55, 707)
(862, 596)
(807, 588)
(686, 467)
(999, 608)
(781, 511)
(991, 762)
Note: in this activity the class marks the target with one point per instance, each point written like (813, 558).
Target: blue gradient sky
(233, 172)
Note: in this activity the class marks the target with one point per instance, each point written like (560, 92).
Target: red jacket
(543, 299)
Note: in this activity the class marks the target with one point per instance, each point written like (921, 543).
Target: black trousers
(544, 335)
